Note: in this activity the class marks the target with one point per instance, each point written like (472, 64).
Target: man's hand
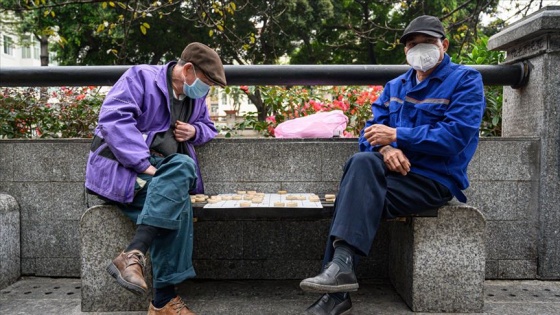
(380, 134)
(151, 170)
(183, 131)
(395, 159)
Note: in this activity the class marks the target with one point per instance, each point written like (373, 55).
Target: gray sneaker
(326, 305)
(331, 280)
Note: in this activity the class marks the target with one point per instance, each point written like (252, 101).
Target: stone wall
(534, 111)
(46, 178)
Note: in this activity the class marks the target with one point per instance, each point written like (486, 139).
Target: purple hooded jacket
(135, 109)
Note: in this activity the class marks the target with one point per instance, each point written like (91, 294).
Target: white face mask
(423, 57)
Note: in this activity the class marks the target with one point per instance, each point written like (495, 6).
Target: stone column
(10, 269)
(534, 111)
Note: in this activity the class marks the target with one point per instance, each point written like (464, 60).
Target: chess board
(268, 201)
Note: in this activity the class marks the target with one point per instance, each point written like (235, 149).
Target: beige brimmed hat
(207, 60)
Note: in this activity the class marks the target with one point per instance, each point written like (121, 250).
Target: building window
(36, 47)
(26, 47)
(8, 45)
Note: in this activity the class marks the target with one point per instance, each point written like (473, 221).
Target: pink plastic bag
(318, 125)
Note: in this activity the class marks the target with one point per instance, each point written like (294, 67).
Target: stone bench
(437, 264)
(10, 266)
(437, 259)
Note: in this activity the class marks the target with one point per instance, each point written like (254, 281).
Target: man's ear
(445, 44)
(188, 66)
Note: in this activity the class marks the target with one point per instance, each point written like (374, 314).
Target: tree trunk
(256, 99)
(44, 40)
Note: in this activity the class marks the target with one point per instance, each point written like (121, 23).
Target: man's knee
(181, 159)
(181, 162)
(366, 160)
(177, 167)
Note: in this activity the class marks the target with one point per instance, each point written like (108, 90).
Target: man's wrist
(383, 148)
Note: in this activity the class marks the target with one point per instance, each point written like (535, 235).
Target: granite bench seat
(437, 258)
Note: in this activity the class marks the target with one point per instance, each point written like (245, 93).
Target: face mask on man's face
(196, 90)
(423, 57)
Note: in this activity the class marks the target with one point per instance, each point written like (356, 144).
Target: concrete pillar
(534, 111)
(10, 256)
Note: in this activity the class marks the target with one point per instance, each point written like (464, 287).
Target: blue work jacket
(437, 121)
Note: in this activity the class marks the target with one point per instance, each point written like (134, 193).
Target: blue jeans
(369, 193)
(164, 202)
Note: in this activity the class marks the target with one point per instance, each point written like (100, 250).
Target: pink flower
(316, 106)
(80, 97)
(271, 119)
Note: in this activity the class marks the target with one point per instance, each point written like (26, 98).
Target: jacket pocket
(429, 113)
(108, 178)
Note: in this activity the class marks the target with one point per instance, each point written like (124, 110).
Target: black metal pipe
(514, 75)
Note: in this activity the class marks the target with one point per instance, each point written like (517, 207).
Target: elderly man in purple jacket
(143, 159)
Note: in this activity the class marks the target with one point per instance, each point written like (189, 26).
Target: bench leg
(437, 263)
(104, 232)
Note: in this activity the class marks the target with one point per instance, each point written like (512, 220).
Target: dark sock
(143, 238)
(343, 254)
(339, 296)
(162, 296)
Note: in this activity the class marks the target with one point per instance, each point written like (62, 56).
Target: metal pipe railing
(514, 75)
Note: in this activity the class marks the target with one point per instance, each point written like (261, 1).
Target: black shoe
(331, 280)
(327, 305)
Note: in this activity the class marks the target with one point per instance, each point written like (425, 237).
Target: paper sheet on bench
(268, 202)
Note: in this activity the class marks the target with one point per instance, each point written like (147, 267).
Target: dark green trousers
(163, 201)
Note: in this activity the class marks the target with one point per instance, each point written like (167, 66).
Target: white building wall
(16, 51)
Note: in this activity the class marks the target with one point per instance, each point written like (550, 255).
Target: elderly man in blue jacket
(143, 159)
(414, 156)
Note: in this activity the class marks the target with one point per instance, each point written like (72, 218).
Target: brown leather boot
(174, 307)
(128, 269)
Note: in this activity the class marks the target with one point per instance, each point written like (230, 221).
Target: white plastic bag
(318, 125)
